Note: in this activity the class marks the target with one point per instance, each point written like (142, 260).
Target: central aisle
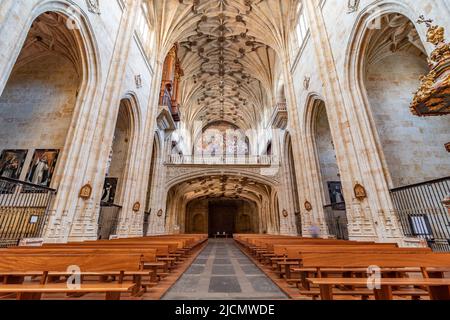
(222, 271)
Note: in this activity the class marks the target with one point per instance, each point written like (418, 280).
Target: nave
(312, 134)
(222, 271)
(248, 267)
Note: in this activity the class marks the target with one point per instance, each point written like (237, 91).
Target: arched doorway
(221, 215)
(39, 106)
(38, 102)
(330, 178)
(116, 173)
(293, 197)
(151, 184)
(393, 61)
(244, 204)
(411, 148)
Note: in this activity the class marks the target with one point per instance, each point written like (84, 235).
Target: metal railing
(336, 218)
(23, 210)
(264, 160)
(422, 214)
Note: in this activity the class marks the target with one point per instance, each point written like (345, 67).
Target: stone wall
(36, 106)
(197, 217)
(111, 58)
(413, 147)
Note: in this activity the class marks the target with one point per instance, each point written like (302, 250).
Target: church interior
(224, 149)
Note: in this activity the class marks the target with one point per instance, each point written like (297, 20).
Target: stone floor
(222, 271)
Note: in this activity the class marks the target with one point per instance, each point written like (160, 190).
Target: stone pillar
(304, 179)
(5, 11)
(11, 25)
(371, 217)
(84, 220)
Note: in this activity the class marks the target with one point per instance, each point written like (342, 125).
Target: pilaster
(368, 218)
(85, 217)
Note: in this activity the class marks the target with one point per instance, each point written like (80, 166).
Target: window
(145, 32)
(302, 28)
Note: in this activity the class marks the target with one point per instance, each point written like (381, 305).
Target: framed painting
(11, 163)
(42, 167)
(109, 191)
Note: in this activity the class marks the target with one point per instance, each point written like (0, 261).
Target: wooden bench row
(111, 267)
(327, 268)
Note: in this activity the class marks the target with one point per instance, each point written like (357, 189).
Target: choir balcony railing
(23, 210)
(260, 160)
(422, 213)
(279, 118)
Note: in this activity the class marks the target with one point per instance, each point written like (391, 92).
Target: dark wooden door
(221, 218)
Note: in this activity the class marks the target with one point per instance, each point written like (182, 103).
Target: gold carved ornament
(86, 192)
(137, 207)
(433, 96)
(360, 192)
(285, 213)
(308, 206)
(160, 213)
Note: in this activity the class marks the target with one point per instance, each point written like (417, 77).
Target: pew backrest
(61, 262)
(364, 260)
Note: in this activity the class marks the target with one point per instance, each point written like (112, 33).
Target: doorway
(222, 217)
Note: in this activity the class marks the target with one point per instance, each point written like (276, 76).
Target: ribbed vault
(220, 186)
(230, 53)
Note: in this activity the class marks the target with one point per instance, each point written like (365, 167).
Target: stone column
(304, 179)
(156, 224)
(5, 11)
(85, 218)
(14, 19)
(373, 217)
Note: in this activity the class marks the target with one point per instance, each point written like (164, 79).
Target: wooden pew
(431, 265)
(15, 267)
(112, 291)
(156, 254)
(269, 246)
(438, 288)
(284, 252)
(148, 255)
(165, 252)
(292, 254)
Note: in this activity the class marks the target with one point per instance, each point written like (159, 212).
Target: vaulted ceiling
(228, 73)
(222, 186)
(230, 54)
(49, 35)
